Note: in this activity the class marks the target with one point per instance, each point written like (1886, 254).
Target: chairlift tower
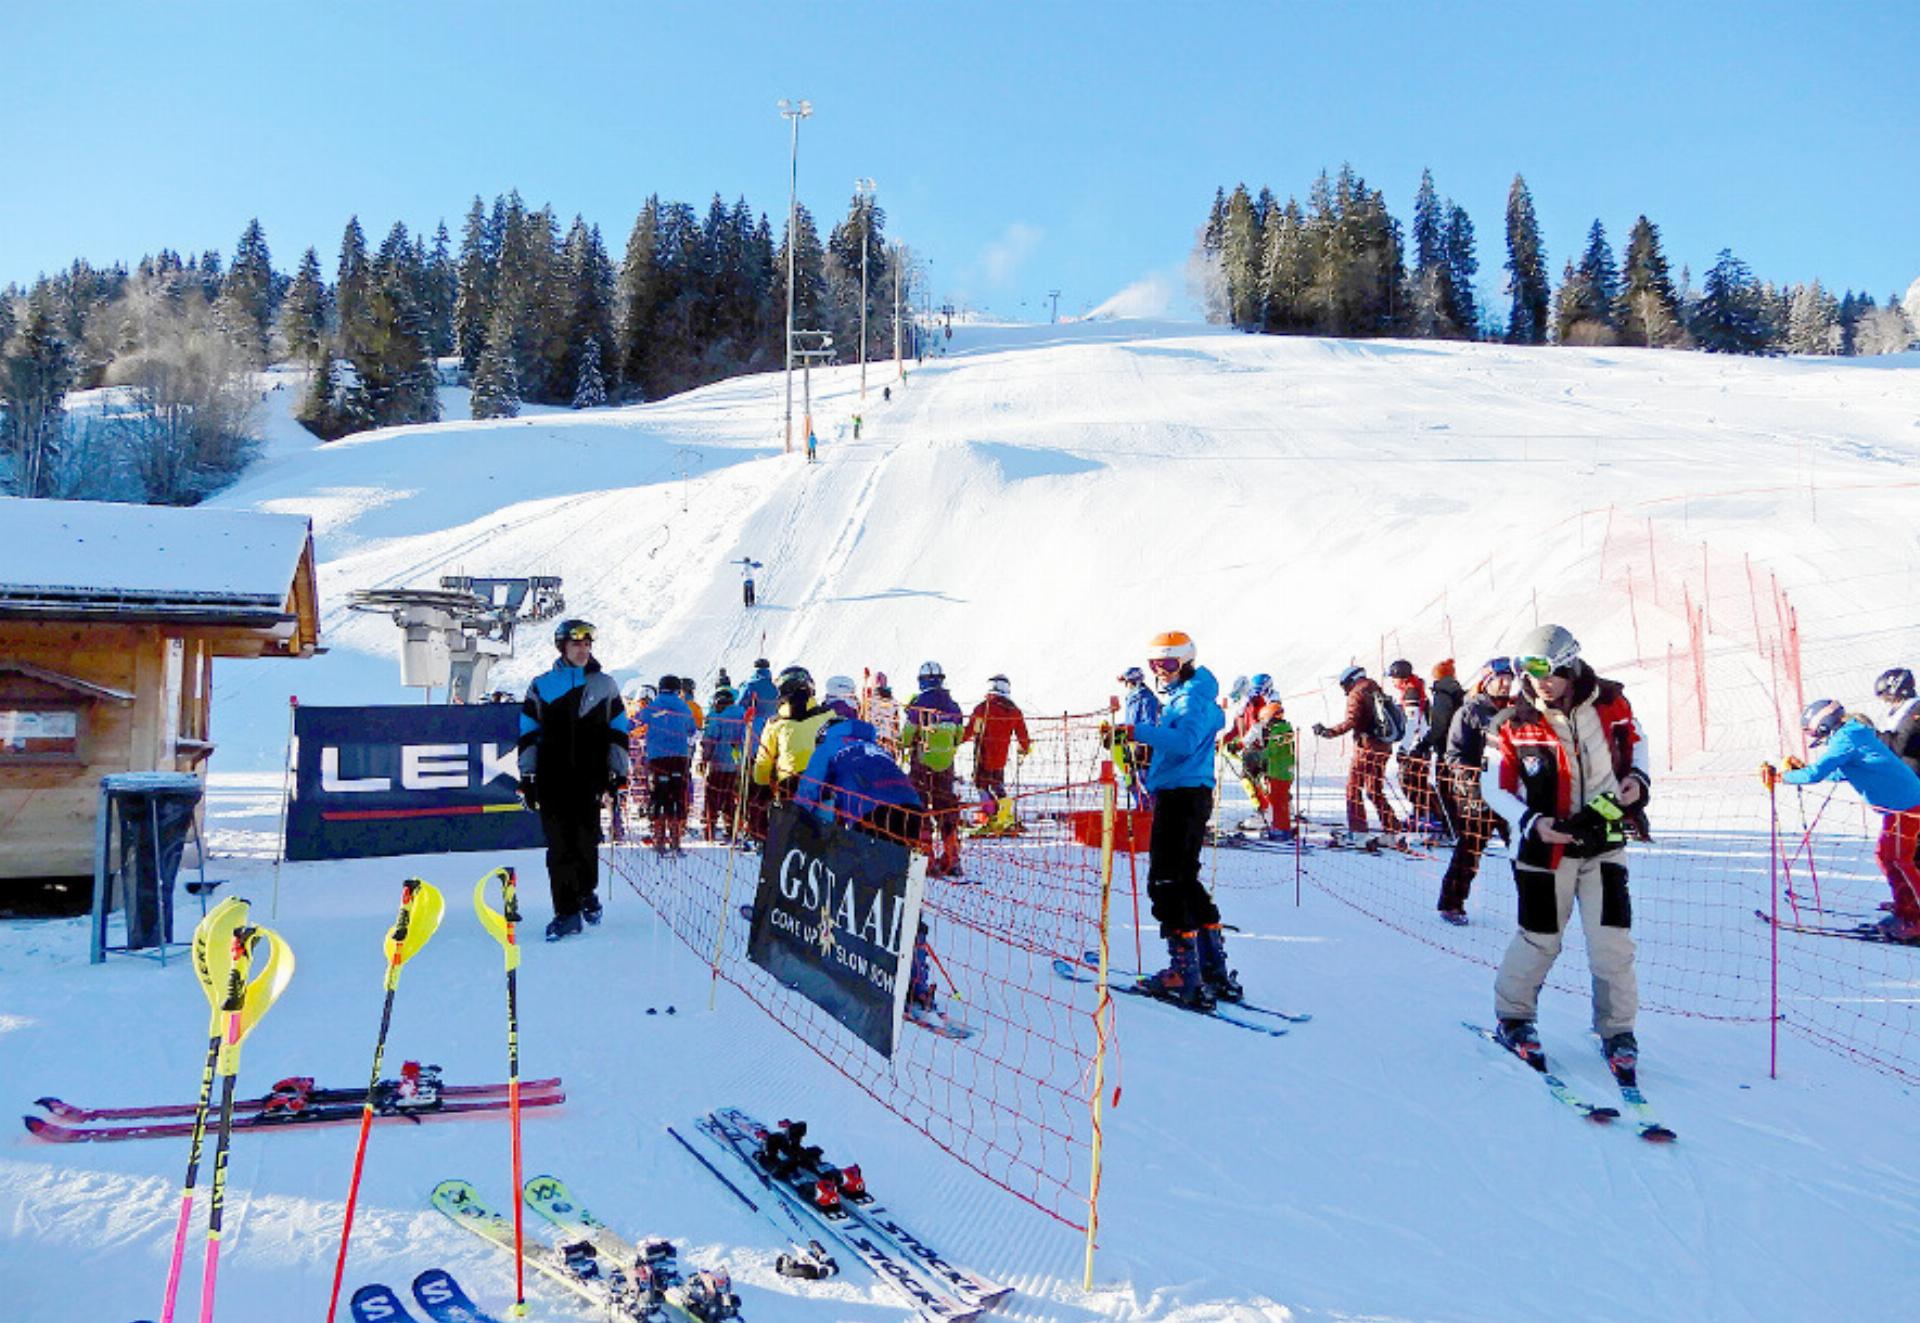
(455, 633)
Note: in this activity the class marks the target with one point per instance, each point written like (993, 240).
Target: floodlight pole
(793, 115)
(863, 189)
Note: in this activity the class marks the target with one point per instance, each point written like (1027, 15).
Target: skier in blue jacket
(850, 776)
(721, 742)
(1850, 750)
(760, 696)
(670, 736)
(1181, 779)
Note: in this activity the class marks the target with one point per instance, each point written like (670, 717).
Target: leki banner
(835, 919)
(371, 781)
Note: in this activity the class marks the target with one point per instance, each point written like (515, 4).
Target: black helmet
(574, 630)
(795, 680)
(723, 680)
(669, 684)
(1896, 685)
(1400, 670)
(723, 697)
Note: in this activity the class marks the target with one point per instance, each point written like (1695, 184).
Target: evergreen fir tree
(591, 392)
(589, 277)
(637, 298)
(303, 314)
(1287, 273)
(1526, 269)
(473, 303)
(442, 292)
(351, 278)
(1456, 242)
(1648, 311)
(36, 370)
(1207, 247)
(246, 296)
(319, 408)
(1813, 321)
(1727, 319)
(1240, 260)
(496, 385)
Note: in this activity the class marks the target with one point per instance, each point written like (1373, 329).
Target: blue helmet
(1820, 718)
(1261, 686)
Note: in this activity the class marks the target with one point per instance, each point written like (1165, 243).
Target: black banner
(835, 918)
(374, 781)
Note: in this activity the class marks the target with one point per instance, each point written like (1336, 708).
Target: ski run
(1373, 1162)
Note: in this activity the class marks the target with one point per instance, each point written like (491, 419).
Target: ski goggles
(579, 634)
(1541, 667)
(1165, 666)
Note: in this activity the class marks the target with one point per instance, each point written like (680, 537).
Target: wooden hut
(110, 618)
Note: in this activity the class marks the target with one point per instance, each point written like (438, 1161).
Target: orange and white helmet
(1167, 653)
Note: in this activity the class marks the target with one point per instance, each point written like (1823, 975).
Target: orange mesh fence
(1710, 647)
(1011, 1099)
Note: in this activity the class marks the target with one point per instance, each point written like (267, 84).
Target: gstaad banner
(834, 919)
(373, 781)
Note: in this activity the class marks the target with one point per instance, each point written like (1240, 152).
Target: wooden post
(1102, 1022)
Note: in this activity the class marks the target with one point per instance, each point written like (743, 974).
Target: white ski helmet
(931, 674)
(1545, 649)
(839, 687)
(1000, 686)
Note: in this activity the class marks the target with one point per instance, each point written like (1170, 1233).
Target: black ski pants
(1180, 902)
(573, 851)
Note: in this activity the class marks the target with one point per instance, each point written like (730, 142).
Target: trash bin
(154, 812)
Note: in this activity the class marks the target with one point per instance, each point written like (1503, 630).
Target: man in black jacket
(573, 753)
(1443, 699)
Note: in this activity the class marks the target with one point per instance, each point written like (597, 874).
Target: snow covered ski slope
(1040, 501)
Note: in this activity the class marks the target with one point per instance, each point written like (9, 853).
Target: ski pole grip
(500, 922)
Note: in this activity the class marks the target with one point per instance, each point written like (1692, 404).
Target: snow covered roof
(64, 559)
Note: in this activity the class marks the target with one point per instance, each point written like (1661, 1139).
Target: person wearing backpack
(930, 739)
(1376, 722)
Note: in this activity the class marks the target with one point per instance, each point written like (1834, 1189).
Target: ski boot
(563, 925)
(1180, 982)
(590, 909)
(810, 1264)
(1223, 982)
(1458, 918)
(1523, 1040)
(1623, 1056)
(709, 1296)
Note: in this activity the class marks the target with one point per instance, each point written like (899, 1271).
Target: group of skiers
(842, 750)
(1538, 750)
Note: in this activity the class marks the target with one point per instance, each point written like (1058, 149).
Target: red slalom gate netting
(1711, 648)
(1014, 1101)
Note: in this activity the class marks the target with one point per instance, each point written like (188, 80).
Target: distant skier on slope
(1552, 774)
(747, 566)
(1181, 777)
(1849, 750)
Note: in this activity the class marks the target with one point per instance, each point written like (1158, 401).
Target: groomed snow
(1039, 501)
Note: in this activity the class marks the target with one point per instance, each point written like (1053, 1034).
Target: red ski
(288, 1095)
(326, 1114)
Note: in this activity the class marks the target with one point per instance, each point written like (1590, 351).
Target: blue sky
(1020, 146)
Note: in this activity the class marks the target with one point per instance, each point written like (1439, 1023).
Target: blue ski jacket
(1182, 741)
(761, 697)
(1857, 755)
(850, 772)
(670, 728)
(726, 733)
(1142, 706)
